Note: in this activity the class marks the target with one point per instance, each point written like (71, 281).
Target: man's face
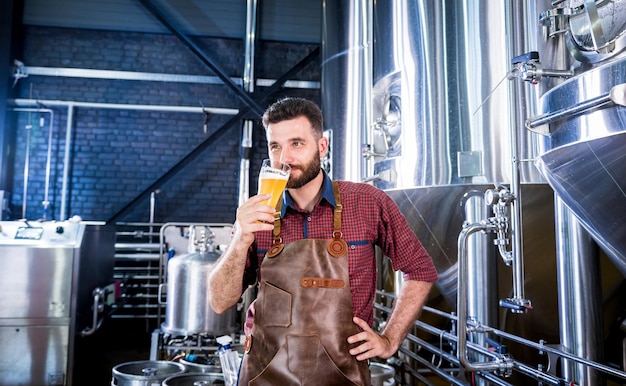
(294, 143)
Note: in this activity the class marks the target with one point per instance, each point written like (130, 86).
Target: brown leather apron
(303, 316)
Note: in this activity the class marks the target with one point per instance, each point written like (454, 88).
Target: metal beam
(10, 20)
(247, 99)
(214, 137)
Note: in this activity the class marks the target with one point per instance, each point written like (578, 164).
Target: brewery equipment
(191, 327)
(50, 272)
(536, 166)
(188, 308)
(144, 373)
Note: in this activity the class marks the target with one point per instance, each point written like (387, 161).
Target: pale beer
(273, 181)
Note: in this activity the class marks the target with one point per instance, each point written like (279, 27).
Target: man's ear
(322, 143)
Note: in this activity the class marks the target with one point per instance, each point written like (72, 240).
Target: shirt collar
(327, 193)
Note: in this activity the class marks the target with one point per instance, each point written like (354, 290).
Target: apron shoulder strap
(336, 246)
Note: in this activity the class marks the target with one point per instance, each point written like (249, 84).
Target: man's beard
(309, 172)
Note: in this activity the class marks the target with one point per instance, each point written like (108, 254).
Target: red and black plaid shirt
(369, 218)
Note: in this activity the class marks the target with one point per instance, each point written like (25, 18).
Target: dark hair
(290, 108)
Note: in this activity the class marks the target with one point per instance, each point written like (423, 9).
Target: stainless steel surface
(482, 285)
(444, 113)
(207, 379)
(449, 117)
(346, 77)
(144, 373)
(188, 308)
(498, 362)
(206, 363)
(33, 354)
(616, 96)
(48, 271)
(436, 97)
(596, 29)
(36, 281)
(580, 296)
(436, 216)
(584, 163)
(382, 375)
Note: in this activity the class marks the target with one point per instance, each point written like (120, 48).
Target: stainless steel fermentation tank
(48, 272)
(440, 112)
(434, 94)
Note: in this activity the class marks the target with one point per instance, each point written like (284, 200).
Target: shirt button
(352, 246)
(308, 218)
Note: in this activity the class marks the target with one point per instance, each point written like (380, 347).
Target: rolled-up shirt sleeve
(401, 244)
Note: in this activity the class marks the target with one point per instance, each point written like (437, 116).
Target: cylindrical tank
(442, 111)
(144, 373)
(582, 119)
(188, 309)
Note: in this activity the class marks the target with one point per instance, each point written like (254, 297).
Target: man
(311, 321)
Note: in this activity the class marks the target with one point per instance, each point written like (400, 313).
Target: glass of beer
(273, 179)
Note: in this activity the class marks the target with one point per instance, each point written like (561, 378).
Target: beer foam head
(273, 174)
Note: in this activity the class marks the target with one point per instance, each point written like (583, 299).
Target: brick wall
(116, 154)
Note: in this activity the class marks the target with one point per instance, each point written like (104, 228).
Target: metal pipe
(154, 77)
(45, 201)
(249, 45)
(567, 112)
(516, 11)
(122, 106)
(248, 86)
(502, 364)
(28, 128)
(516, 228)
(66, 159)
(481, 278)
(244, 162)
(580, 296)
(540, 347)
(248, 125)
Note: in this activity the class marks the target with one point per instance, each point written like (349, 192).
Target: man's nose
(285, 157)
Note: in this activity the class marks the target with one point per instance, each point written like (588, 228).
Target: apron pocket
(302, 351)
(277, 306)
(302, 361)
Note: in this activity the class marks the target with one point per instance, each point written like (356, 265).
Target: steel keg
(145, 373)
(202, 364)
(206, 379)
